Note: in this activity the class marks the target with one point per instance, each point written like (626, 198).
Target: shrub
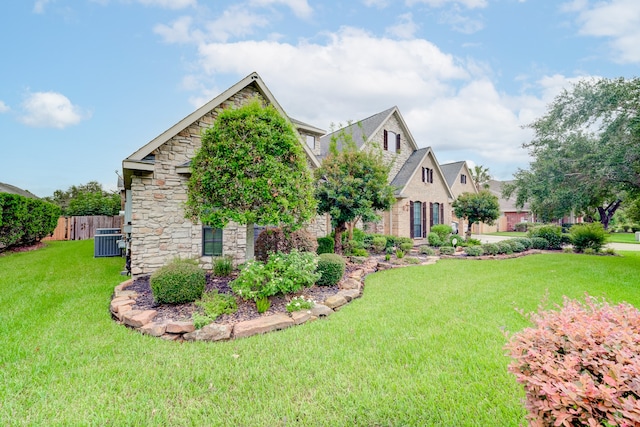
(588, 236)
(515, 245)
(331, 268)
(325, 245)
(434, 240)
(447, 250)
(523, 226)
(406, 246)
(378, 244)
(426, 250)
(274, 239)
(282, 274)
(504, 248)
(473, 242)
(474, 250)
(222, 266)
(565, 239)
(524, 241)
(635, 228)
(213, 304)
(399, 253)
(178, 282)
(539, 243)
(490, 248)
(552, 233)
(443, 231)
(579, 364)
(401, 240)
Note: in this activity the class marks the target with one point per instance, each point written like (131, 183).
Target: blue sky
(83, 84)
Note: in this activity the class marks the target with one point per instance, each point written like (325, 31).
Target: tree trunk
(468, 232)
(250, 251)
(607, 213)
(337, 242)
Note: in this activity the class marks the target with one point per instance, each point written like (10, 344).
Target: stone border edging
(123, 300)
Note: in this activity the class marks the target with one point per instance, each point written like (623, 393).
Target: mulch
(246, 309)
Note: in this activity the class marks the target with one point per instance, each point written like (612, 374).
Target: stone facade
(159, 229)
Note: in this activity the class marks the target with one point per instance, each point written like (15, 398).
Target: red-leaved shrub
(580, 365)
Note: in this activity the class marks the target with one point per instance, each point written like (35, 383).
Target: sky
(85, 83)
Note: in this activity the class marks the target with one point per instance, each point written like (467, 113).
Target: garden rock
(138, 318)
(299, 317)
(321, 310)
(351, 284)
(211, 332)
(154, 329)
(180, 327)
(262, 325)
(335, 301)
(349, 294)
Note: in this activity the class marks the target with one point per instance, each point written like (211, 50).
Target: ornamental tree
(250, 169)
(480, 207)
(352, 185)
(86, 199)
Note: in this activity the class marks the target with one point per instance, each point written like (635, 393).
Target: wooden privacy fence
(83, 227)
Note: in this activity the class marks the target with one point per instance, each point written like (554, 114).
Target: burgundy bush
(580, 365)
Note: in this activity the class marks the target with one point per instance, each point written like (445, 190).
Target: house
(423, 196)
(510, 214)
(155, 181)
(12, 189)
(459, 180)
(155, 187)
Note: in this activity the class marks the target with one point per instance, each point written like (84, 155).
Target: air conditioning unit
(106, 245)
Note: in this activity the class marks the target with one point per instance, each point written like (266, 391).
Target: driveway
(487, 238)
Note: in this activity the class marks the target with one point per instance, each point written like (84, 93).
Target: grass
(422, 347)
(622, 238)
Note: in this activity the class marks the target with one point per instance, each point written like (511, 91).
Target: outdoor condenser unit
(105, 242)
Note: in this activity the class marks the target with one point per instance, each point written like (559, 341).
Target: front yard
(423, 346)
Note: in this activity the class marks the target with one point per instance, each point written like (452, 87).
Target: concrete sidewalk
(487, 238)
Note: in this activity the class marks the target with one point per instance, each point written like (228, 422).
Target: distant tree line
(86, 199)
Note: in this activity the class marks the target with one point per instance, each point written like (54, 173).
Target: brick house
(155, 183)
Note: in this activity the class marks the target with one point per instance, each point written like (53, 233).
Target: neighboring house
(12, 189)
(423, 196)
(155, 181)
(510, 214)
(155, 184)
(459, 180)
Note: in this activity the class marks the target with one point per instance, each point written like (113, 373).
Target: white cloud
(169, 4)
(461, 22)
(50, 109)
(179, 31)
(380, 4)
(471, 4)
(299, 7)
(3, 107)
(39, 5)
(617, 20)
(405, 27)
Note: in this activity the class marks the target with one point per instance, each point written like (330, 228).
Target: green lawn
(612, 238)
(422, 347)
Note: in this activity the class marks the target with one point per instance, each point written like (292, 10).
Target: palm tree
(480, 176)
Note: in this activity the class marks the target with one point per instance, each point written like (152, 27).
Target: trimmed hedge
(331, 268)
(552, 233)
(325, 245)
(273, 240)
(24, 221)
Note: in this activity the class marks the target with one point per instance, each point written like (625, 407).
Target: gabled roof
(12, 189)
(142, 159)
(363, 130)
(451, 171)
(506, 205)
(411, 167)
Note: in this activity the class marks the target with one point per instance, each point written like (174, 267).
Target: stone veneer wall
(396, 159)
(160, 232)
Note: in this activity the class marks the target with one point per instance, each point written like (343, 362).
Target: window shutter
(397, 143)
(386, 144)
(424, 219)
(423, 178)
(441, 213)
(431, 215)
(411, 219)
(431, 176)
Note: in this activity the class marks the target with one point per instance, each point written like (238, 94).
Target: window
(436, 213)
(211, 241)
(311, 141)
(427, 175)
(391, 138)
(463, 179)
(417, 219)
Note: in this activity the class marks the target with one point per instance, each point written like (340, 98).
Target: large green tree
(586, 152)
(352, 184)
(251, 169)
(480, 207)
(86, 199)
